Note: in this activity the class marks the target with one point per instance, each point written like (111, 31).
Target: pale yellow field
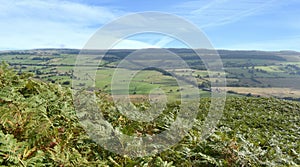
(267, 92)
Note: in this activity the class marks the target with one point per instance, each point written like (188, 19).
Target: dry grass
(267, 92)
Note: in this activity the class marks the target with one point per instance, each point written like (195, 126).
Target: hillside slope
(39, 127)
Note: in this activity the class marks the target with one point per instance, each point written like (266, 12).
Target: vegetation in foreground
(39, 127)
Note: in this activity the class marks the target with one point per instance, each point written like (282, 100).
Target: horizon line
(217, 49)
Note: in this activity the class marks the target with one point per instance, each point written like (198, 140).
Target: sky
(270, 25)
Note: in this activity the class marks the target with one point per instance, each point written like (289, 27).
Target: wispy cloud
(27, 24)
(144, 40)
(219, 12)
(50, 23)
(149, 40)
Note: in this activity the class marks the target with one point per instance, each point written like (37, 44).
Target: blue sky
(228, 24)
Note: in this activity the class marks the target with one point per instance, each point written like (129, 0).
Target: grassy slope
(38, 126)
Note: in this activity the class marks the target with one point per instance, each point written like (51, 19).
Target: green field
(243, 69)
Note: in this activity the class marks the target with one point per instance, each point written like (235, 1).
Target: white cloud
(133, 44)
(35, 23)
(163, 42)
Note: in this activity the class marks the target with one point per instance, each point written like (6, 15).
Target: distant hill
(187, 53)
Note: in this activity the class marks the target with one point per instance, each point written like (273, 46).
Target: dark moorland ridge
(179, 51)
